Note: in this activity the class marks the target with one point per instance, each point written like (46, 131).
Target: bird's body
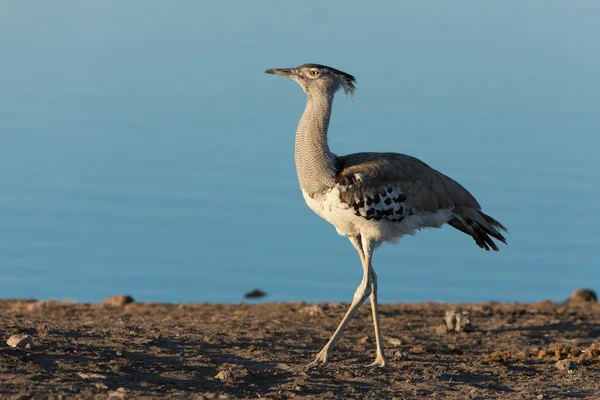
(385, 196)
(373, 197)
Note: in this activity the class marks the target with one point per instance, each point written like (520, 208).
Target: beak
(280, 71)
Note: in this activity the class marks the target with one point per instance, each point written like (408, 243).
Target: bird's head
(318, 79)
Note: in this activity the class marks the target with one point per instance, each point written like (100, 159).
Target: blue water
(143, 150)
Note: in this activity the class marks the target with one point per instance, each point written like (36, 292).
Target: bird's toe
(380, 362)
(319, 361)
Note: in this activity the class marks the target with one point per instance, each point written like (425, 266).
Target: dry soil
(258, 351)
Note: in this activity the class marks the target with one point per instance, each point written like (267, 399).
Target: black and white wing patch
(383, 204)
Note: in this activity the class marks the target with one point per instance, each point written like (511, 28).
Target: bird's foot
(380, 362)
(319, 361)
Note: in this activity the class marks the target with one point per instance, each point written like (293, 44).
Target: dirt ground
(212, 351)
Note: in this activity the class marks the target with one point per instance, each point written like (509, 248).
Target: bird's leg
(362, 292)
(380, 360)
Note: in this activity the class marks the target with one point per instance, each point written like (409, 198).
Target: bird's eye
(314, 73)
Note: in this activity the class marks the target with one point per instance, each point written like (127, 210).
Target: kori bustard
(372, 197)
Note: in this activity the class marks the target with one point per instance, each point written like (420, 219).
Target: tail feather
(478, 225)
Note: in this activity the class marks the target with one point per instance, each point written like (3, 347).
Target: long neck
(315, 163)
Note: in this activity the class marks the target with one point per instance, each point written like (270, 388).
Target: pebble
(398, 354)
(117, 394)
(441, 329)
(255, 294)
(232, 372)
(119, 300)
(453, 347)
(100, 385)
(420, 349)
(224, 376)
(458, 321)
(563, 365)
(20, 340)
(583, 296)
(36, 306)
(498, 356)
(312, 310)
(394, 341)
(90, 375)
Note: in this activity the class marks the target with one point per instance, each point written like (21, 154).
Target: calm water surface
(143, 150)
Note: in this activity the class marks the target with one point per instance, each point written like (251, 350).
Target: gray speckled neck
(315, 163)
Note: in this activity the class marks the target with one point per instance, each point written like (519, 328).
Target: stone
(311, 310)
(458, 321)
(419, 349)
(498, 356)
(398, 354)
(224, 376)
(394, 341)
(118, 393)
(20, 340)
(231, 373)
(36, 306)
(583, 296)
(90, 375)
(564, 365)
(255, 294)
(452, 347)
(119, 300)
(441, 329)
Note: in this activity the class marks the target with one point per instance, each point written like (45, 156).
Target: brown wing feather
(426, 189)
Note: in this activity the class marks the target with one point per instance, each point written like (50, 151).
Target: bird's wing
(400, 180)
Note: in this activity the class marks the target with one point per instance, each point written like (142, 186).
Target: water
(143, 150)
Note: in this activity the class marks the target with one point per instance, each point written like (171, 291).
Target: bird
(372, 198)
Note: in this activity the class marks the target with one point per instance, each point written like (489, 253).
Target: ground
(216, 351)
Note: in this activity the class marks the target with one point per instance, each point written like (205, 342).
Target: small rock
(232, 372)
(255, 294)
(583, 296)
(458, 321)
(364, 339)
(20, 340)
(564, 365)
(100, 386)
(398, 354)
(312, 310)
(224, 376)
(420, 349)
(118, 301)
(394, 341)
(441, 329)
(498, 356)
(90, 375)
(543, 353)
(463, 322)
(36, 306)
(453, 347)
(117, 394)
